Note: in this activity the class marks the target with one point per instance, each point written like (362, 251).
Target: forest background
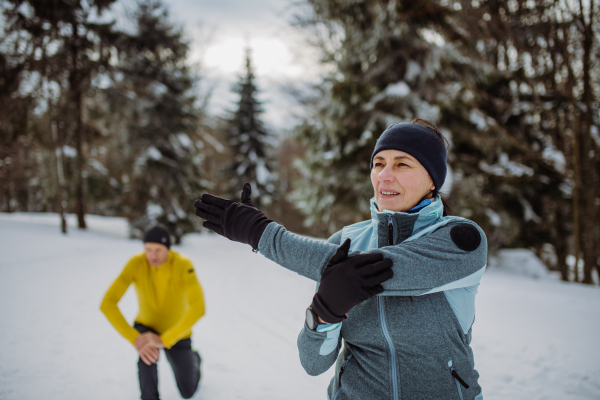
(102, 111)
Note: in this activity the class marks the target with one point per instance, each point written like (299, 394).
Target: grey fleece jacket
(407, 343)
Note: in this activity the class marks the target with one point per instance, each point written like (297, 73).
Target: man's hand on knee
(149, 355)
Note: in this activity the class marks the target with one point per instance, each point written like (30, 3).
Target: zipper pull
(390, 230)
(458, 378)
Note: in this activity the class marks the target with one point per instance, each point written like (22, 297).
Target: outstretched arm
(430, 263)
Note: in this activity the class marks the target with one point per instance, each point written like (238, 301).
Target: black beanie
(422, 143)
(158, 235)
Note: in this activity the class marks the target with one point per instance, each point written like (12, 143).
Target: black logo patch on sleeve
(465, 236)
(191, 270)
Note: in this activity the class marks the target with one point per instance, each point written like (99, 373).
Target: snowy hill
(532, 338)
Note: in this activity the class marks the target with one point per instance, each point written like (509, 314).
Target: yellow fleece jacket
(170, 298)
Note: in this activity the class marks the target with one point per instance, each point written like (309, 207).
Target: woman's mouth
(388, 194)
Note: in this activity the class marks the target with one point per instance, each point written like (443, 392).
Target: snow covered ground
(532, 339)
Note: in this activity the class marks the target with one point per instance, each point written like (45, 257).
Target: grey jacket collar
(399, 226)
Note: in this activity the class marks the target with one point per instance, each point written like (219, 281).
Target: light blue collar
(364, 234)
(427, 215)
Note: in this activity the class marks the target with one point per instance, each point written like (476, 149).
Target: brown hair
(431, 126)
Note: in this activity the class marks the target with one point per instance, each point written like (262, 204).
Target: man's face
(156, 253)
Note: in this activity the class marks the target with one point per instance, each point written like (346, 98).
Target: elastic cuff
(259, 229)
(322, 311)
(329, 327)
(167, 345)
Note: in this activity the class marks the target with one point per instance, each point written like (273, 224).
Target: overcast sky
(220, 30)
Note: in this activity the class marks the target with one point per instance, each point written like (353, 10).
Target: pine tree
(250, 143)
(547, 52)
(391, 61)
(67, 45)
(14, 113)
(161, 147)
(511, 83)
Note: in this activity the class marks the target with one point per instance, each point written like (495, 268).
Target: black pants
(186, 368)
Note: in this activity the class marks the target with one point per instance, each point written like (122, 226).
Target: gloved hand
(240, 222)
(346, 282)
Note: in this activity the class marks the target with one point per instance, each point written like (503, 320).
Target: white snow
(595, 134)
(69, 151)
(184, 139)
(447, 186)
(398, 89)
(521, 262)
(528, 212)
(506, 167)
(493, 216)
(532, 338)
(154, 153)
(552, 154)
(213, 141)
(432, 36)
(263, 175)
(97, 165)
(413, 70)
(395, 90)
(113, 226)
(555, 157)
(154, 211)
(478, 119)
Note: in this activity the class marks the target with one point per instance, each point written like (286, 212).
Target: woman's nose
(385, 175)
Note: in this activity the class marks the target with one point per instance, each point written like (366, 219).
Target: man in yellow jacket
(170, 302)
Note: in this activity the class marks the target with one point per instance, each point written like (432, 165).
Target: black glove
(240, 222)
(346, 282)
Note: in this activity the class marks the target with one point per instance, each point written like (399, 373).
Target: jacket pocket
(460, 383)
(343, 367)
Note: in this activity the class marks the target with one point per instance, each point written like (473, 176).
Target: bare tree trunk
(589, 174)
(79, 202)
(75, 85)
(562, 249)
(60, 177)
(8, 194)
(576, 186)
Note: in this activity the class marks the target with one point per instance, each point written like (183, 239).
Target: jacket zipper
(386, 333)
(390, 230)
(459, 381)
(340, 376)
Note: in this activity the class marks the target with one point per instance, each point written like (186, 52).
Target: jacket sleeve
(420, 266)
(109, 303)
(319, 349)
(195, 298)
(304, 255)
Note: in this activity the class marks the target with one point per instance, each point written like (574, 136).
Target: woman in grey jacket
(405, 335)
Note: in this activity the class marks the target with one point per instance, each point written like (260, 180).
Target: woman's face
(399, 180)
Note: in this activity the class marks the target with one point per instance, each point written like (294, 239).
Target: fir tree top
(250, 141)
